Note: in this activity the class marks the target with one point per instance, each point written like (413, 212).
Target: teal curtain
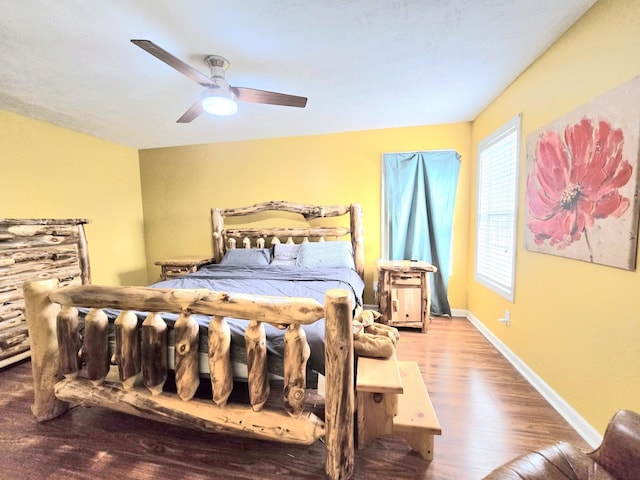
(419, 191)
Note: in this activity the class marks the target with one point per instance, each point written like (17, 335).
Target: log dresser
(405, 299)
(35, 249)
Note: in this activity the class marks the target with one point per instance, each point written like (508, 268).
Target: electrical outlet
(506, 319)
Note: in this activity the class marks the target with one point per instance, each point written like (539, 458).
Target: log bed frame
(132, 382)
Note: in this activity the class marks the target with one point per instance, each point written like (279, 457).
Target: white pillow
(285, 254)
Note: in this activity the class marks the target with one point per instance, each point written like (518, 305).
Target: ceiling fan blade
(193, 111)
(174, 62)
(262, 96)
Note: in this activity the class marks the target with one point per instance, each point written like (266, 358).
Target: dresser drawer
(402, 279)
(178, 271)
(179, 266)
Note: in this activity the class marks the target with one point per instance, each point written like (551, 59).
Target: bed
(277, 304)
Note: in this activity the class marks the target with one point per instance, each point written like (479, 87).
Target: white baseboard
(579, 424)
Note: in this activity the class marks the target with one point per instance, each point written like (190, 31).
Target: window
(497, 203)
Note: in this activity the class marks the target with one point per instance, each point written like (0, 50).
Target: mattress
(273, 280)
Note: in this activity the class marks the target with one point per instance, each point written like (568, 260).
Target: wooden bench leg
(421, 442)
(378, 385)
(416, 421)
(375, 416)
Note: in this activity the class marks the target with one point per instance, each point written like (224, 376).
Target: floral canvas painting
(582, 181)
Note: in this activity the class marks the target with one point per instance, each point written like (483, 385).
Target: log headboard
(225, 238)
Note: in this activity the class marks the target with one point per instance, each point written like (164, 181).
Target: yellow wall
(577, 325)
(181, 184)
(52, 172)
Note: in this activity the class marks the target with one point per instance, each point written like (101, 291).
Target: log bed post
(41, 314)
(357, 237)
(339, 405)
(217, 225)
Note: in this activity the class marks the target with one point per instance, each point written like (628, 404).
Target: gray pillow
(246, 257)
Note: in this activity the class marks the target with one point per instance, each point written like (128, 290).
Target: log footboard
(196, 414)
(135, 384)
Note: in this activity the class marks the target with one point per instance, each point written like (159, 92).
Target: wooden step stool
(393, 399)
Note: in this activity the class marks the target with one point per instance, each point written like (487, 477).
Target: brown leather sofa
(617, 457)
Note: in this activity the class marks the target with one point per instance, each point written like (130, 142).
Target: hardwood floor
(487, 411)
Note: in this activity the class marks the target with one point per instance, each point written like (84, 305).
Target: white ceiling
(363, 64)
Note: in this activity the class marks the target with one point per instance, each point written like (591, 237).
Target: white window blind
(497, 202)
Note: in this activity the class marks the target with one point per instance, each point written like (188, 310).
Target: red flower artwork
(575, 181)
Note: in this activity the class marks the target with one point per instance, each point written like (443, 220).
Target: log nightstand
(178, 266)
(404, 295)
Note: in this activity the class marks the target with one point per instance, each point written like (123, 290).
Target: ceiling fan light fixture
(219, 98)
(219, 102)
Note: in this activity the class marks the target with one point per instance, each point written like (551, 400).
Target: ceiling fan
(219, 98)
